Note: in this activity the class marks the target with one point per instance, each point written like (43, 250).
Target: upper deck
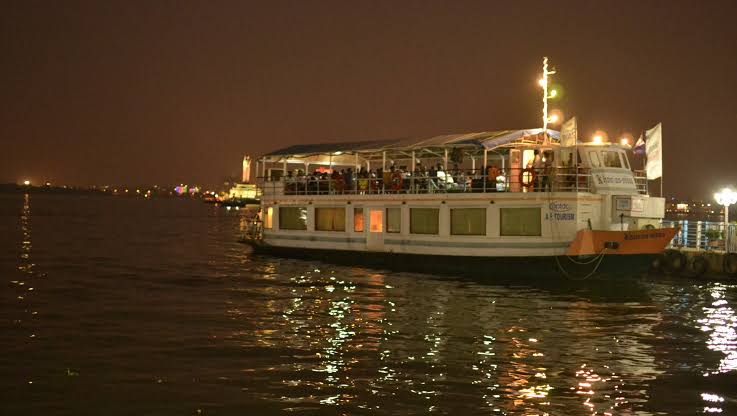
(505, 161)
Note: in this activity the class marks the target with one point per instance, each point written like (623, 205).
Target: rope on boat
(585, 262)
(599, 257)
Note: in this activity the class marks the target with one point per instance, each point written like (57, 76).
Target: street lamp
(726, 197)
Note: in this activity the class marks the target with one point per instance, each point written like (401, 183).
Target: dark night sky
(140, 92)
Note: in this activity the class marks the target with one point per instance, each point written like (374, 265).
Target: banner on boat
(569, 133)
(654, 152)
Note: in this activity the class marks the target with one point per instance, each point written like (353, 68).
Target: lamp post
(726, 197)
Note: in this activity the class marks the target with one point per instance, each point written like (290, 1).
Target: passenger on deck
(491, 174)
(441, 176)
(336, 182)
(538, 166)
(387, 179)
(547, 180)
(349, 182)
(432, 182)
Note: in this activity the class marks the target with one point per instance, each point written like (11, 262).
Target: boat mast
(544, 82)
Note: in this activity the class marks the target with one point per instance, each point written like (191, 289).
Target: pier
(700, 249)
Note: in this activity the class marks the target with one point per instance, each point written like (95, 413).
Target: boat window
(611, 159)
(424, 220)
(358, 220)
(269, 219)
(292, 218)
(594, 157)
(468, 221)
(393, 220)
(520, 221)
(625, 161)
(330, 219)
(376, 221)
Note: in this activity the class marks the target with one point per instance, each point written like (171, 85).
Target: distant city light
(625, 141)
(26, 182)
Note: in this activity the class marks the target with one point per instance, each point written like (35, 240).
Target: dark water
(130, 306)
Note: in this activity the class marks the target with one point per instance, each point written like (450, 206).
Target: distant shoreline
(58, 190)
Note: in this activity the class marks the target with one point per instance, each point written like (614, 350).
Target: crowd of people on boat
(538, 176)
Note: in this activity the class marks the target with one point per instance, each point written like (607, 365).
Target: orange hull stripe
(589, 242)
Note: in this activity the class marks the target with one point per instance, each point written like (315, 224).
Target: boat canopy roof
(471, 141)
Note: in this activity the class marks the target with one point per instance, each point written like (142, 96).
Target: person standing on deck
(432, 183)
(537, 165)
(547, 181)
(492, 172)
(348, 180)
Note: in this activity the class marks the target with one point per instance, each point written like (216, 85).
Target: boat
(511, 203)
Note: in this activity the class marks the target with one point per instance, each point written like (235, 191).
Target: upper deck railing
(397, 182)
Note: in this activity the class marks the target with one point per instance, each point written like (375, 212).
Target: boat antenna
(544, 82)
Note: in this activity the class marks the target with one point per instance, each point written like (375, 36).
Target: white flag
(654, 152)
(569, 133)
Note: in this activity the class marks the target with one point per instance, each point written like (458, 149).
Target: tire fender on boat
(698, 266)
(730, 264)
(674, 261)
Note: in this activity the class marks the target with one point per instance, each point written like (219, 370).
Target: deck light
(598, 139)
(553, 93)
(553, 119)
(625, 141)
(26, 182)
(542, 82)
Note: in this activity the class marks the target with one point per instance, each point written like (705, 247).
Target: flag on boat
(569, 133)
(654, 152)
(639, 148)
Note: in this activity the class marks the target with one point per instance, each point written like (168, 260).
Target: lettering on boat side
(560, 216)
(615, 180)
(559, 207)
(631, 236)
(560, 211)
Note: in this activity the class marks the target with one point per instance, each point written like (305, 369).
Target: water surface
(151, 307)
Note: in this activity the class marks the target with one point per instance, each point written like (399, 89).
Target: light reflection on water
(185, 318)
(720, 322)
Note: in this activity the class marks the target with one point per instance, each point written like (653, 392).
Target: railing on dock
(704, 235)
(513, 180)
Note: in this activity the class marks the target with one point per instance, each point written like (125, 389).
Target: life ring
(397, 181)
(674, 261)
(531, 176)
(730, 264)
(698, 266)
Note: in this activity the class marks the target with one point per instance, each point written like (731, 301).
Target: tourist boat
(484, 210)
(504, 203)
